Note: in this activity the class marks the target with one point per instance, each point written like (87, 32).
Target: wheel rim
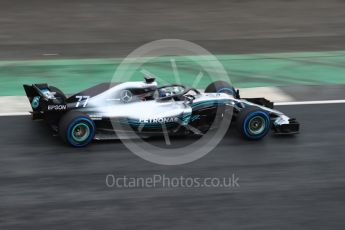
(256, 125)
(80, 132)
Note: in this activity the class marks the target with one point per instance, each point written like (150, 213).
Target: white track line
(270, 93)
(310, 102)
(14, 114)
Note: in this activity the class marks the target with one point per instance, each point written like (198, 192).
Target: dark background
(86, 28)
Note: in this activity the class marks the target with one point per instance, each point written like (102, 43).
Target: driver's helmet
(165, 92)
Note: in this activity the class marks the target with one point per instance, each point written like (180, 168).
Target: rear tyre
(253, 123)
(76, 129)
(221, 87)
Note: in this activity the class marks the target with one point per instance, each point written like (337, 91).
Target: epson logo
(57, 107)
(161, 120)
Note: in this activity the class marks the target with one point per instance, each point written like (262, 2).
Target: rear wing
(41, 90)
(44, 99)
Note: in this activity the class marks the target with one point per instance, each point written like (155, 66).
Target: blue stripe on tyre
(81, 120)
(246, 124)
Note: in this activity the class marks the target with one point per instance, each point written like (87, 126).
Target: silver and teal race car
(144, 109)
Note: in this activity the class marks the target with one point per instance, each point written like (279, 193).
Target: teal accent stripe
(210, 103)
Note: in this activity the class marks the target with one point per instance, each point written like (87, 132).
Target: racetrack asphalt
(63, 29)
(285, 182)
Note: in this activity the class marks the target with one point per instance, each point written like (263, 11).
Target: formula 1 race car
(145, 109)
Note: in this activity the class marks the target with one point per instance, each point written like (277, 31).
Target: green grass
(278, 69)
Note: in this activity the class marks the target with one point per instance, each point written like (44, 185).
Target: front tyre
(253, 123)
(76, 129)
(222, 87)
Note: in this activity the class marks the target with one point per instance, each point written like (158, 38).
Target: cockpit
(175, 92)
(150, 91)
